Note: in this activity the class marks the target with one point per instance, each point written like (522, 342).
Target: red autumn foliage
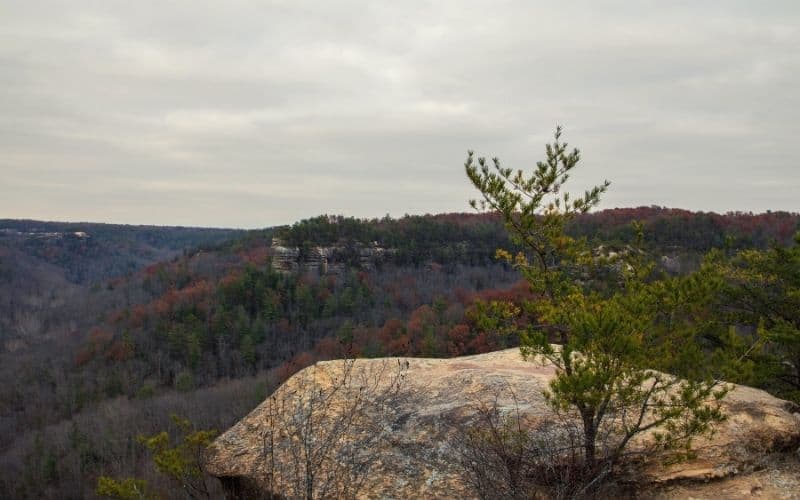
(256, 255)
(196, 294)
(483, 342)
(230, 279)
(517, 293)
(394, 338)
(83, 356)
(117, 316)
(119, 351)
(138, 316)
(294, 365)
(153, 269)
(165, 305)
(457, 340)
(422, 317)
(329, 348)
(99, 337)
(323, 294)
(97, 341)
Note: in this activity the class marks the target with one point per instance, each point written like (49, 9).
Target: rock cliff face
(402, 448)
(323, 260)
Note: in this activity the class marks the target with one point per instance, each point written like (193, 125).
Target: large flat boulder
(382, 427)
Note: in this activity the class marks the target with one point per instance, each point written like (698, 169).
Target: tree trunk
(589, 437)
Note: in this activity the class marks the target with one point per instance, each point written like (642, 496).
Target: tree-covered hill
(48, 269)
(443, 236)
(148, 321)
(89, 253)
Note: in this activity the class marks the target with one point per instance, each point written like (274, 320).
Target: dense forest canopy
(665, 228)
(91, 252)
(142, 321)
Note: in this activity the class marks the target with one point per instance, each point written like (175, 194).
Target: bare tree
(324, 424)
(504, 453)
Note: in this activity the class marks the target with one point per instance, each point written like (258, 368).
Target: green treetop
(616, 356)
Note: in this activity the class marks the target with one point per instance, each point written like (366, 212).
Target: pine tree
(762, 292)
(615, 357)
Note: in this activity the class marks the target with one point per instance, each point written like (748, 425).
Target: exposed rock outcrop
(284, 258)
(410, 457)
(329, 260)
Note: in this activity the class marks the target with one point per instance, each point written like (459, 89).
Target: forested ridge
(665, 228)
(208, 332)
(90, 253)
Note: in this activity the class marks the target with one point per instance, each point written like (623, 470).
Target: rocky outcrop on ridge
(408, 454)
(323, 260)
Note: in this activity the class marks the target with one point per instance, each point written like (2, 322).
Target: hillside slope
(49, 270)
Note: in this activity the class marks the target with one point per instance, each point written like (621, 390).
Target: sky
(257, 113)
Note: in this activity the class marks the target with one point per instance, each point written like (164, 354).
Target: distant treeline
(212, 331)
(92, 252)
(473, 238)
(672, 228)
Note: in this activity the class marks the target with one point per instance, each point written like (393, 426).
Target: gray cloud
(250, 114)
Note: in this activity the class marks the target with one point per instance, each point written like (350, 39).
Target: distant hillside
(477, 235)
(89, 252)
(673, 228)
(47, 269)
(99, 320)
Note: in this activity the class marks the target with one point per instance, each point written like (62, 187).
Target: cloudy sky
(255, 113)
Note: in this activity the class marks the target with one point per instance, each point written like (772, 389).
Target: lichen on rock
(382, 428)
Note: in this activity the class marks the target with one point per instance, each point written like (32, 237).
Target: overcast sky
(250, 114)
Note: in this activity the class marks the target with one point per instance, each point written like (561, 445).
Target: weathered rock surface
(413, 459)
(778, 478)
(324, 260)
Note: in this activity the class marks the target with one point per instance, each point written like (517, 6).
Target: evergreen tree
(615, 358)
(762, 292)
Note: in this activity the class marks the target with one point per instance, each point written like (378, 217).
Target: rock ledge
(412, 459)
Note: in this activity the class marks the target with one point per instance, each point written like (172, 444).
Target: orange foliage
(194, 292)
(164, 305)
(294, 365)
(230, 278)
(197, 293)
(329, 348)
(84, 356)
(256, 255)
(151, 270)
(420, 317)
(323, 294)
(518, 292)
(394, 338)
(115, 317)
(363, 278)
(482, 342)
(119, 351)
(99, 337)
(457, 340)
(138, 316)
